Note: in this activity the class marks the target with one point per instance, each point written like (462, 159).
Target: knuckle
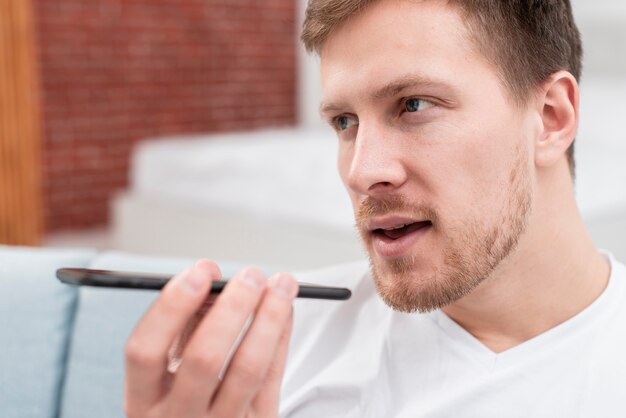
(276, 312)
(249, 372)
(204, 364)
(230, 306)
(131, 410)
(137, 354)
(172, 301)
(234, 306)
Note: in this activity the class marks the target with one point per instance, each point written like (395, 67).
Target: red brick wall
(116, 71)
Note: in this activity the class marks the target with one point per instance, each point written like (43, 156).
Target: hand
(251, 381)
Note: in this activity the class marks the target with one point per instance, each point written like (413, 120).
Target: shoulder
(606, 366)
(610, 329)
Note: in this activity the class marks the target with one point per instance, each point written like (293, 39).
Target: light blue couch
(61, 347)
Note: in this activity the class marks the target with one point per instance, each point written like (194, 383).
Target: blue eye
(414, 104)
(343, 122)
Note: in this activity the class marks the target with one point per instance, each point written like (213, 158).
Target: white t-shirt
(359, 358)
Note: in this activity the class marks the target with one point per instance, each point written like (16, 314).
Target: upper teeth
(399, 227)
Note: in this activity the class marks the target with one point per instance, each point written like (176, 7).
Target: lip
(389, 222)
(387, 247)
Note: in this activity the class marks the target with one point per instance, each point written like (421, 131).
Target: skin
(468, 156)
(250, 385)
(471, 156)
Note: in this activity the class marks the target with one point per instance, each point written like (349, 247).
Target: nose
(374, 161)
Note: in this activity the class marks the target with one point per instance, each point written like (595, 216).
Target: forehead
(391, 38)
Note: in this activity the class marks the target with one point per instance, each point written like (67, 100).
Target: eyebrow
(389, 90)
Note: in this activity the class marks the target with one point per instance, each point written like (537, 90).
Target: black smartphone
(131, 280)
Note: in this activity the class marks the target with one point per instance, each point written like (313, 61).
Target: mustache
(371, 207)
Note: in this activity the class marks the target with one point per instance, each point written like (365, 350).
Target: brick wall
(116, 71)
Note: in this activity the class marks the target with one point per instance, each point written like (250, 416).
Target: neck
(554, 273)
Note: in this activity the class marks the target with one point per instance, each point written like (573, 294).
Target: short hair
(526, 40)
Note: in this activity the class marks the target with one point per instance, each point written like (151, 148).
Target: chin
(408, 286)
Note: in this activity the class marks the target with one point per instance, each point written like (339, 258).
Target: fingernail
(196, 279)
(283, 284)
(253, 278)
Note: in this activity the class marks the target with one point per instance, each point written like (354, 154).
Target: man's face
(436, 157)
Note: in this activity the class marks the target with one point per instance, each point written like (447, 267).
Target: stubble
(471, 252)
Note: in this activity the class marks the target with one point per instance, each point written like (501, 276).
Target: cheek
(475, 171)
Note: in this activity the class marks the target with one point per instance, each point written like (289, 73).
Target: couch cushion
(35, 319)
(94, 384)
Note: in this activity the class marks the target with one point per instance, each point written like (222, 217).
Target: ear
(558, 105)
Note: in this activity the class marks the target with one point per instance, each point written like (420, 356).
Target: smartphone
(131, 280)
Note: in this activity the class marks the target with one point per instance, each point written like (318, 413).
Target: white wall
(309, 84)
(602, 24)
(601, 8)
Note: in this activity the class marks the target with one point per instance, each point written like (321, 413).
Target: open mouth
(400, 231)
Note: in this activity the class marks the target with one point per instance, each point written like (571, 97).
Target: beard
(472, 252)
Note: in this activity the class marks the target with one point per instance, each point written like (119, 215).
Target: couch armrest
(36, 313)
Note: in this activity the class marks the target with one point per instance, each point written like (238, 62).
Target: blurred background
(190, 128)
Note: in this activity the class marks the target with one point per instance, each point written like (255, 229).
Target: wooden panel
(20, 161)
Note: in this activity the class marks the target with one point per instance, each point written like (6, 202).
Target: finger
(266, 402)
(146, 349)
(175, 352)
(251, 363)
(210, 346)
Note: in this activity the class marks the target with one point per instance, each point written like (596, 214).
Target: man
(455, 121)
